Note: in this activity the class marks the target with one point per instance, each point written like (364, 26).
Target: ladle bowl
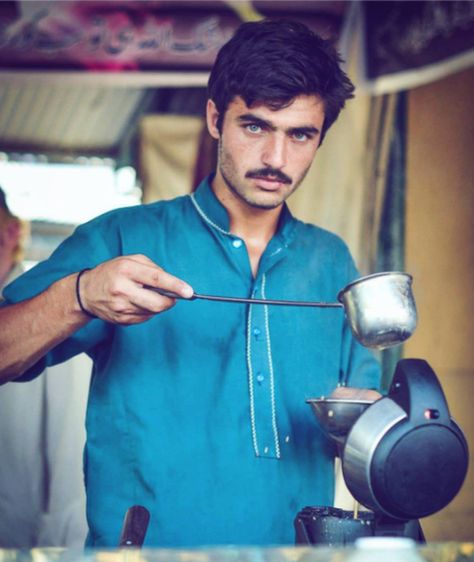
(337, 415)
(380, 309)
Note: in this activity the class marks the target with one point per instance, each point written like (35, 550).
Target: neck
(247, 222)
(255, 226)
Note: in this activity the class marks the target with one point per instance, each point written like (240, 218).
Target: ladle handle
(248, 301)
(269, 301)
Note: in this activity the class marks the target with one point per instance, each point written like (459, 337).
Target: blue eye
(300, 137)
(253, 128)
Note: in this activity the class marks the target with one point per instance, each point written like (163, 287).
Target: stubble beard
(228, 172)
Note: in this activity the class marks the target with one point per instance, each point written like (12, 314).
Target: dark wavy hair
(273, 61)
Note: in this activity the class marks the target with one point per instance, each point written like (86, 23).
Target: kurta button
(237, 243)
(256, 332)
(260, 378)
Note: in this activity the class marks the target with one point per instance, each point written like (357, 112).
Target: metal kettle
(405, 456)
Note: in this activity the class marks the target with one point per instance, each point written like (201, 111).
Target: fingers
(114, 290)
(351, 393)
(154, 276)
(158, 278)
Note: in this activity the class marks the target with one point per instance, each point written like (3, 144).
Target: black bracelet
(78, 293)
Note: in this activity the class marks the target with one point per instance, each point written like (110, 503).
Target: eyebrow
(305, 129)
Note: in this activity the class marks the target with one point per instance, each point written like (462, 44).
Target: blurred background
(102, 106)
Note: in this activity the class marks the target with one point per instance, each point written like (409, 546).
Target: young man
(199, 413)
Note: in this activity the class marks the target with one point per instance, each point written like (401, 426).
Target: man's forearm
(31, 328)
(113, 291)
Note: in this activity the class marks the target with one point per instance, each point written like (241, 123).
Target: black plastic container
(332, 526)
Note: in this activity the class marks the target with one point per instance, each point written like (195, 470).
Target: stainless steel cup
(380, 309)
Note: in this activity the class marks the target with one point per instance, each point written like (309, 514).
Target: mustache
(269, 172)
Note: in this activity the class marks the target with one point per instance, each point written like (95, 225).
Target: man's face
(264, 154)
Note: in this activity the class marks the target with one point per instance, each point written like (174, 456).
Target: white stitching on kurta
(270, 367)
(206, 218)
(250, 377)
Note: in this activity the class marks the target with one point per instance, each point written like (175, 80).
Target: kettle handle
(417, 390)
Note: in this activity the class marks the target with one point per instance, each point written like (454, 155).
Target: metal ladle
(380, 308)
(248, 301)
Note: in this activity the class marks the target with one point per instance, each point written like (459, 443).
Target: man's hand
(351, 393)
(114, 290)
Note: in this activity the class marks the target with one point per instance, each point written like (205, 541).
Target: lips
(269, 183)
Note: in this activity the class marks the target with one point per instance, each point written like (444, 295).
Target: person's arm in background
(362, 372)
(352, 393)
(112, 291)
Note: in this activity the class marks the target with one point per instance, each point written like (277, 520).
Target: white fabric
(42, 498)
(333, 192)
(168, 153)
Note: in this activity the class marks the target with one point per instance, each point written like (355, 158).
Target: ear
(211, 118)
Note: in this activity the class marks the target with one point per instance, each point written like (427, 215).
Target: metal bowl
(337, 415)
(380, 309)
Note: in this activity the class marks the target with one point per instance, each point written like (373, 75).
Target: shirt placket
(262, 382)
(261, 378)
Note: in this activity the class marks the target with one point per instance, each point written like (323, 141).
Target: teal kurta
(199, 414)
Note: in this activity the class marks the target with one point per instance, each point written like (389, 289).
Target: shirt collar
(217, 213)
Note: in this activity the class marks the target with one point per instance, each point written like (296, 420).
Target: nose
(275, 151)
